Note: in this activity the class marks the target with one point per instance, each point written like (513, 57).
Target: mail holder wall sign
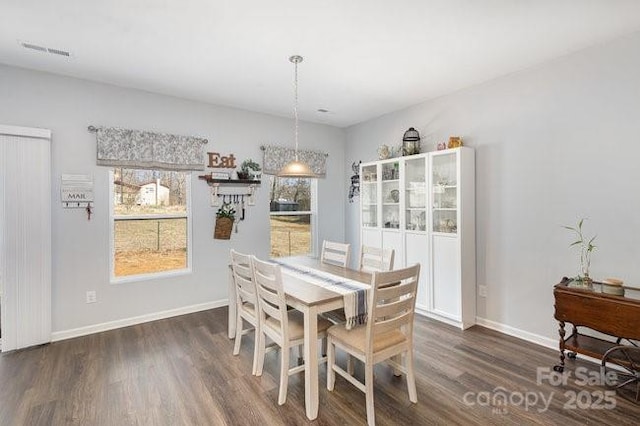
(76, 191)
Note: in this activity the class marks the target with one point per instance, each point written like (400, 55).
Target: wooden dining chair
(387, 334)
(375, 259)
(246, 302)
(284, 327)
(372, 259)
(335, 253)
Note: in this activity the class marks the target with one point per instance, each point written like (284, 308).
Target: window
(151, 232)
(293, 208)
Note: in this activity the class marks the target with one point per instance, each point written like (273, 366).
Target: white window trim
(154, 275)
(314, 217)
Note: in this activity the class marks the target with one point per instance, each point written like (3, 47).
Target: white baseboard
(507, 329)
(516, 332)
(529, 337)
(502, 328)
(111, 325)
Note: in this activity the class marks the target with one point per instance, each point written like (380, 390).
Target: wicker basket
(224, 225)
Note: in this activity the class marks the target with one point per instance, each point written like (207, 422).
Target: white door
(25, 236)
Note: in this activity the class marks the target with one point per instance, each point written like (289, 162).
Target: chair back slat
(270, 303)
(375, 259)
(392, 301)
(388, 324)
(245, 296)
(335, 253)
(394, 308)
(393, 291)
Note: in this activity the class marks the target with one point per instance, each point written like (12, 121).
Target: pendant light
(296, 168)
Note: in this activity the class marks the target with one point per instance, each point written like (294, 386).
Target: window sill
(150, 276)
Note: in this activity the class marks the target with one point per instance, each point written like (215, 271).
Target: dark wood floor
(181, 371)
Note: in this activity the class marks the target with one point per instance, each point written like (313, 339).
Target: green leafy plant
(586, 247)
(226, 210)
(249, 164)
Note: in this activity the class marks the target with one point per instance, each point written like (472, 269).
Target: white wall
(81, 248)
(553, 143)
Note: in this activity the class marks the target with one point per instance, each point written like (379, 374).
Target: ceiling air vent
(58, 52)
(44, 49)
(34, 47)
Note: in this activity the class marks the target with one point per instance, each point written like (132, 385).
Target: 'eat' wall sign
(218, 161)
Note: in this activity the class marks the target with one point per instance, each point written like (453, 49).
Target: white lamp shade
(296, 169)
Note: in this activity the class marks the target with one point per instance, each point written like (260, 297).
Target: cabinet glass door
(369, 195)
(391, 195)
(445, 193)
(415, 200)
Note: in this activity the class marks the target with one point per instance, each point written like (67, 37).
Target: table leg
(232, 306)
(311, 398)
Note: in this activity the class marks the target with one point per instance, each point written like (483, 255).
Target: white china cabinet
(423, 206)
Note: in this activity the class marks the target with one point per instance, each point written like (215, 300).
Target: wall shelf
(236, 182)
(233, 190)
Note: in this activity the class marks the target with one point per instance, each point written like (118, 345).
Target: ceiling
(362, 58)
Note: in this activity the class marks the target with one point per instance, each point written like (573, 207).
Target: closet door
(25, 236)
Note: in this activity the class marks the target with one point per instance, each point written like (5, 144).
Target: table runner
(355, 293)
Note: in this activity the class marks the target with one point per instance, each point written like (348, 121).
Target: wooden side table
(614, 316)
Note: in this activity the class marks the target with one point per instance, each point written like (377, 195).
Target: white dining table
(311, 300)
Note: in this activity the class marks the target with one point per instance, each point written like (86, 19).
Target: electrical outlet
(91, 296)
(482, 290)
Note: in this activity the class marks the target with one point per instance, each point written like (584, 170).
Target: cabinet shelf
(421, 208)
(445, 209)
(390, 180)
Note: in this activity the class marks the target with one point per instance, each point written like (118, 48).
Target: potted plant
(586, 247)
(249, 169)
(225, 216)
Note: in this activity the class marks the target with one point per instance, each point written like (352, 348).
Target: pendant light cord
(295, 168)
(295, 103)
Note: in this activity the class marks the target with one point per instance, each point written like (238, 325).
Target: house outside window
(292, 216)
(151, 223)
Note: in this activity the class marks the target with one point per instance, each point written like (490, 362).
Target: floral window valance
(148, 150)
(276, 157)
